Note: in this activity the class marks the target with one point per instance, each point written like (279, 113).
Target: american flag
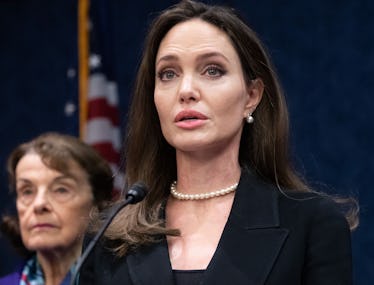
(100, 119)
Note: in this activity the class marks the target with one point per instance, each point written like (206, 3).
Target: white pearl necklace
(201, 196)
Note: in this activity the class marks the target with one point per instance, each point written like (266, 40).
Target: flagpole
(83, 52)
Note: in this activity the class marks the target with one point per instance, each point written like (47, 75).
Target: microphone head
(137, 192)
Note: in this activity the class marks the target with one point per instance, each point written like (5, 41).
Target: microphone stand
(135, 194)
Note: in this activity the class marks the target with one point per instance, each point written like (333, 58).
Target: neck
(56, 265)
(205, 174)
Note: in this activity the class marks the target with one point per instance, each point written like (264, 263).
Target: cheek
(159, 103)
(23, 215)
(77, 215)
(24, 219)
(76, 224)
(163, 108)
(230, 107)
(229, 115)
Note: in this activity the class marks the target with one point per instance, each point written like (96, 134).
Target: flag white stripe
(100, 130)
(101, 88)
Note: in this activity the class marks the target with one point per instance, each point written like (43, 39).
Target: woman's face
(200, 92)
(52, 207)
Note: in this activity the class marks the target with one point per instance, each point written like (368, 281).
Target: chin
(190, 145)
(46, 244)
(43, 246)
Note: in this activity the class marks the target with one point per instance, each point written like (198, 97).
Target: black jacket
(271, 238)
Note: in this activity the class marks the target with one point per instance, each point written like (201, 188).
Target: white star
(95, 61)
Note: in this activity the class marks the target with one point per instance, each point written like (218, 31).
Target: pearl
(200, 196)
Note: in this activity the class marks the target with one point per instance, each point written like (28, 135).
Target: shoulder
(310, 203)
(101, 255)
(10, 279)
(312, 210)
(317, 225)
(265, 203)
(102, 265)
(289, 205)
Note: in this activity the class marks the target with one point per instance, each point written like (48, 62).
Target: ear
(254, 96)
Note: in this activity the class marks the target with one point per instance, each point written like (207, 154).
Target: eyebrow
(56, 179)
(64, 177)
(22, 180)
(172, 57)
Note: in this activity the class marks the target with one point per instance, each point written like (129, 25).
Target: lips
(42, 226)
(187, 115)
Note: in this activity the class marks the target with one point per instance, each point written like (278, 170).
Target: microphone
(135, 194)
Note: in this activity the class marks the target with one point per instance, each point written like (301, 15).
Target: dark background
(323, 51)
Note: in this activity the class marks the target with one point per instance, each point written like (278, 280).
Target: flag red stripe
(100, 108)
(107, 151)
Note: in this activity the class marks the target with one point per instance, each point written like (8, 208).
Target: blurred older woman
(57, 180)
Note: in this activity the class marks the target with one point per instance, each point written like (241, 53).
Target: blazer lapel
(251, 240)
(151, 265)
(246, 253)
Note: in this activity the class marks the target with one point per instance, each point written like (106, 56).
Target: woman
(58, 180)
(225, 205)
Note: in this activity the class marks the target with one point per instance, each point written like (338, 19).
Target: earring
(249, 118)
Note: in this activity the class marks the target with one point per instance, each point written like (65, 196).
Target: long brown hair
(57, 151)
(149, 158)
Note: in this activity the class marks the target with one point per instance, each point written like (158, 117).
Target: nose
(41, 203)
(188, 91)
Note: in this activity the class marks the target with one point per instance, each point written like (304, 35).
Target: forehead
(31, 164)
(195, 36)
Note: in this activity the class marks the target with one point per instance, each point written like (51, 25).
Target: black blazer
(270, 238)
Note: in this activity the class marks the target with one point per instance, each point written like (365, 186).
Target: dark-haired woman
(207, 132)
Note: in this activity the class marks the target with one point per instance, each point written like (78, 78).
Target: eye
(25, 192)
(214, 71)
(167, 75)
(61, 190)
(25, 195)
(61, 193)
